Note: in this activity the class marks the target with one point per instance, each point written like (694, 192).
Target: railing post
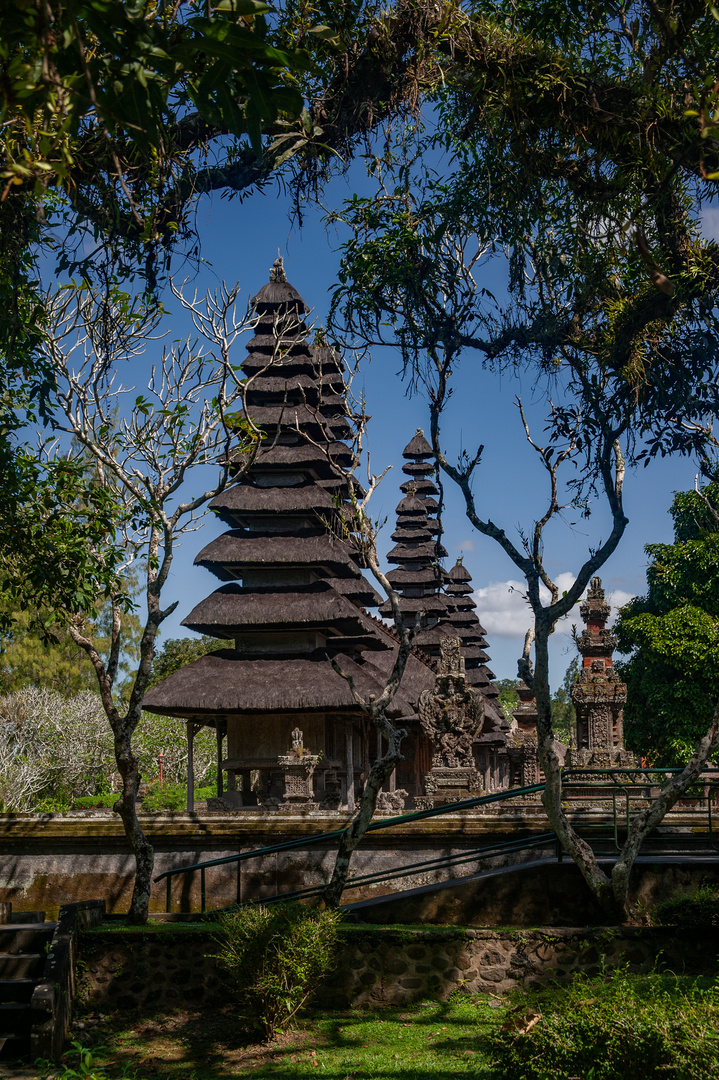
(168, 905)
(202, 889)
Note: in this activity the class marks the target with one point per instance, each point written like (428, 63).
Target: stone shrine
(451, 716)
(598, 694)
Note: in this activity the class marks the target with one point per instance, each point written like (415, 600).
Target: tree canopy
(673, 631)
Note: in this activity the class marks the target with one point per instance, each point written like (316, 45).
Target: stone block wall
(168, 967)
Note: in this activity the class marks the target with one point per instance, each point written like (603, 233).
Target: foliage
(564, 717)
(55, 750)
(277, 956)
(508, 696)
(611, 1027)
(176, 652)
(673, 675)
(31, 656)
(173, 797)
(86, 1067)
(693, 910)
(612, 314)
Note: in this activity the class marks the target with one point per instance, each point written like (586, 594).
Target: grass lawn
(437, 1040)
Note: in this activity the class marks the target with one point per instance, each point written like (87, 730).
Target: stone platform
(49, 859)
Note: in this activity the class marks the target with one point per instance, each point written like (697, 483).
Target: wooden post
(350, 768)
(5, 912)
(190, 767)
(220, 730)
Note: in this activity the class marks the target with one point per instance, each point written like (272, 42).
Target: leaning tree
(564, 146)
(140, 449)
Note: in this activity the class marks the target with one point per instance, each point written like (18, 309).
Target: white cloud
(504, 611)
(710, 222)
(464, 545)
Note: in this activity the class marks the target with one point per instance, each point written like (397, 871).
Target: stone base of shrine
(50, 859)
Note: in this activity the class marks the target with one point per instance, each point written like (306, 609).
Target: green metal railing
(621, 783)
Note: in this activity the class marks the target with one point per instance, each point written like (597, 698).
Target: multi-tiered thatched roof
(293, 591)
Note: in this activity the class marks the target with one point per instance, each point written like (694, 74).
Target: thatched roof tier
(418, 468)
(432, 638)
(293, 499)
(293, 416)
(232, 609)
(297, 384)
(298, 361)
(279, 294)
(412, 505)
(283, 457)
(418, 447)
(413, 535)
(403, 553)
(406, 577)
(236, 550)
(458, 591)
(226, 683)
(433, 604)
(420, 487)
(459, 574)
(358, 590)
(462, 603)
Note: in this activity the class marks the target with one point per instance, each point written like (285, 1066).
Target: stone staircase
(24, 944)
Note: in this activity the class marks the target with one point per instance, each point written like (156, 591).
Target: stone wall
(168, 967)
(51, 859)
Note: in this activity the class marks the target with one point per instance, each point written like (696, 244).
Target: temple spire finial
(277, 273)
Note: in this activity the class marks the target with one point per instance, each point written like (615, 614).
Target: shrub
(173, 797)
(643, 1027)
(88, 802)
(699, 908)
(276, 955)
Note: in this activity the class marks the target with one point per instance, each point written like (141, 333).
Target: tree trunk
(126, 807)
(381, 770)
(612, 892)
(573, 844)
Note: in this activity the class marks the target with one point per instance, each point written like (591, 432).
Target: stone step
(25, 937)
(13, 1047)
(15, 1019)
(22, 965)
(19, 990)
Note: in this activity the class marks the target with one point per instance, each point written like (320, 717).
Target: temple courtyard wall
(50, 859)
(173, 967)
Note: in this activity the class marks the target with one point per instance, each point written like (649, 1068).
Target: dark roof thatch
(238, 550)
(418, 468)
(407, 578)
(300, 498)
(421, 487)
(226, 682)
(460, 573)
(232, 609)
(403, 553)
(417, 447)
(433, 603)
(279, 293)
(301, 454)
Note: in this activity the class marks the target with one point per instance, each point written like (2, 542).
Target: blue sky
(240, 240)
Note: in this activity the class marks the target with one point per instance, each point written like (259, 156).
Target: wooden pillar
(190, 767)
(220, 732)
(349, 739)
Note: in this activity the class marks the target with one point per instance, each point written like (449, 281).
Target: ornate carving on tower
(598, 694)
(451, 716)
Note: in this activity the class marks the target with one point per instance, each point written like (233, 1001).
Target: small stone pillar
(298, 767)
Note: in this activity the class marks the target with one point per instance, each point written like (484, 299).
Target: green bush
(643, 1027)
(173, 796)
(88, 802)
(276, 955)
(699, 908)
